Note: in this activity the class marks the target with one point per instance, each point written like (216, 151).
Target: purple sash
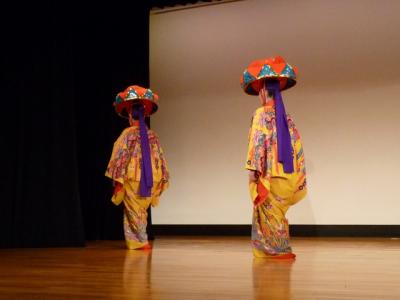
(146, 177)
(285, 150)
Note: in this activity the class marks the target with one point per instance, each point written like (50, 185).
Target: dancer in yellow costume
(137, 165)
(275, 158)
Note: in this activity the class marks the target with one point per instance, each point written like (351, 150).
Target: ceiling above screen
(160, 6)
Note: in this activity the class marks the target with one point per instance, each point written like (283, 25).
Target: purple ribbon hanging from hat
(146, 176)
(285, 150)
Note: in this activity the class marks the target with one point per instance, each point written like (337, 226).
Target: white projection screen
(346, 105)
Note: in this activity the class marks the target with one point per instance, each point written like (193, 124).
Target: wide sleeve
(159, 162)
(257, 143)
(117, 166)
(164, 182)
(165, 171)
(298, 155)
(259, 157)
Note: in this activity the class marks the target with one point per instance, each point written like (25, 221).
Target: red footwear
(284, 256)
(145, 247)
(260, 254)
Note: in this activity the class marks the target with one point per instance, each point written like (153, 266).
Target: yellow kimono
(124, 168)
(275, 191)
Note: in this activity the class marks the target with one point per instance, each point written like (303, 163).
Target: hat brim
(123, 109)
(254, 87)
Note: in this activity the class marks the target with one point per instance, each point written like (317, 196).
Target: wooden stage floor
(204, 268)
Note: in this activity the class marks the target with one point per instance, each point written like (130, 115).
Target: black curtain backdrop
(111, 52)
(62, 64)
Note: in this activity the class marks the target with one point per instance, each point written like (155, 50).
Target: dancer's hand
(118, 197)
(119, 193)
(155, 201)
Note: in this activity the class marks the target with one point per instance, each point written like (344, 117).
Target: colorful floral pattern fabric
(126, 157)
(124, 167)
(262, 154)
(270, 228)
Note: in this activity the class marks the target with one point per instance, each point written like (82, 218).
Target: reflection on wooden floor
(204, 268)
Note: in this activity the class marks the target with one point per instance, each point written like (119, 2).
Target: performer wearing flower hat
(275, 158)
(137, 165)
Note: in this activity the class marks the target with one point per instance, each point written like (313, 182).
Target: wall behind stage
(346, 106)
